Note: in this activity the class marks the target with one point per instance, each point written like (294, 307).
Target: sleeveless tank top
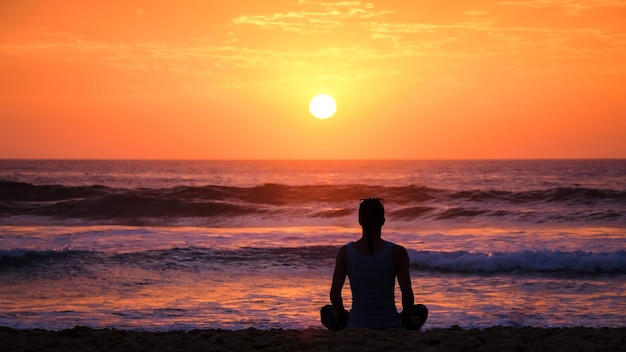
(372, 281)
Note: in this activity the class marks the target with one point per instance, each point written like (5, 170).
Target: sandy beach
(450, 339)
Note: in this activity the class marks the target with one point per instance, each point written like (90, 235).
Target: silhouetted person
(372, 264)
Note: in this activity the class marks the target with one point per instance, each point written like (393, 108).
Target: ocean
(164, 245)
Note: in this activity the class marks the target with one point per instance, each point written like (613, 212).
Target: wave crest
(142, 205)
(578, 262)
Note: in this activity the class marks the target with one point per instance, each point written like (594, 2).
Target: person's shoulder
(342, 255)
(399, 249)
(345, 247)
(396, 246)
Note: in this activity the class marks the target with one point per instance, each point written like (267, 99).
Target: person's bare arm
(339, 278)
(404, 278)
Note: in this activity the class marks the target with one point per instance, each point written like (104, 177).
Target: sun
(323, 106)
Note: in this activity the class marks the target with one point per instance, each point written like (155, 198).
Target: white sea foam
(525, 261)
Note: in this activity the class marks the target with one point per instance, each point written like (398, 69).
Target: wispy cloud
(374, 39)
(311, 17)
(571, 7)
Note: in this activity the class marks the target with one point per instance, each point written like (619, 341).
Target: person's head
(371, 214)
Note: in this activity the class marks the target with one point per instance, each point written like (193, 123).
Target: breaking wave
(411, 202)
(196, 258)
(578, 262)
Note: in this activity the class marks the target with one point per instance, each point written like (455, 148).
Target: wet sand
(450, 339)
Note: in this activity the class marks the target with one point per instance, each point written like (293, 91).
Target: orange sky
(232, 79)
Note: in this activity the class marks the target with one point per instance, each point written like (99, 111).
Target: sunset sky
(232, 79)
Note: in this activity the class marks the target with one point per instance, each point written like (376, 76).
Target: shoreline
(495, 338)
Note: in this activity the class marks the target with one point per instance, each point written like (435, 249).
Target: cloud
(314, 17)
(571, 7)
(375, 42)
